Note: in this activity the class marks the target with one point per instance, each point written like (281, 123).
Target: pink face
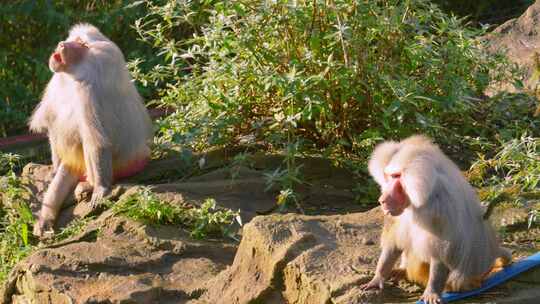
(67, 54)
(393, 199)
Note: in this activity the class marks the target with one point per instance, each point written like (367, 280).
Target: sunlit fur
(98, 103)
(444, 220)
(93, 107)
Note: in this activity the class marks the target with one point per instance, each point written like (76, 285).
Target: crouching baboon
(434, 220)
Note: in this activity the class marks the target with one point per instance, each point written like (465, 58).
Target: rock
(520, 39)
(300, 259)
(37, 177)
(246, 192)
(234, 187)
(119, 261)
(282, 258)
(245, 189)
(512, 219)
(324, 259)
(505, 216)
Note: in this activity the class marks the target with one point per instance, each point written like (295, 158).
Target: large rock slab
(301, 259)
(282, 258)
(298, 259)
(327, 188)
(119, 261)
(519, 38)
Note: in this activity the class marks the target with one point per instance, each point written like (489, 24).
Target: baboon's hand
(376, 283)
(43, 228)
(97, 195)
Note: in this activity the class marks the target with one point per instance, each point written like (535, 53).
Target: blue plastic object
(505, 274)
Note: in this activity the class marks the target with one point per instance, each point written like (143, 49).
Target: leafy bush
(8, 163)
(30, 29)
(516, 164)
(511, 175)
(336, 74)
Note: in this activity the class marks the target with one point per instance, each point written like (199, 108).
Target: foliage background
(324, 76)
(29, 29)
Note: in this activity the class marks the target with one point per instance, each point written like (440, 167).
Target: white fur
(94, 104)
(444, 220)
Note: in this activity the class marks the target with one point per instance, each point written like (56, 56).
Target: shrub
(516, 164)
(511, 175)
(324, 74)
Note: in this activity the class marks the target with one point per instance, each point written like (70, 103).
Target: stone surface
(281, 258)
(519, 38)
(300, 259)
(119, 261)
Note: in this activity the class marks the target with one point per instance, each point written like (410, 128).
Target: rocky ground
(281, 258)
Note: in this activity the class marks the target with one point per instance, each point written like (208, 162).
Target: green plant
(146, 206)
(202, 222)
(287, 178)
(8, 163)
(330, 78)
(508, 117)
(15, 217)
(512, 174)
(209, 220)
(74, 228)
(240, 160)
(516, 164)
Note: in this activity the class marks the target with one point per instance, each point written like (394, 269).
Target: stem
(344, 49)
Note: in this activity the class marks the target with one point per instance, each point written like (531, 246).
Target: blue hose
(499, 277)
